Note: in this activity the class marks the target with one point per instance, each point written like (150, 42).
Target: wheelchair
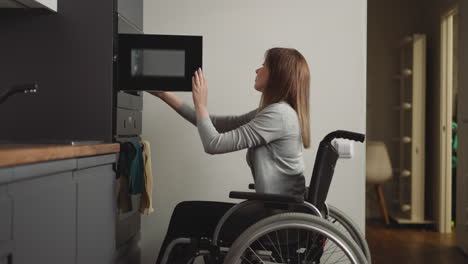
(302, 229)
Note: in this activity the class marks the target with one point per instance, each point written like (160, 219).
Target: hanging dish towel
(146, 202)
(136, 171)
(126, 156)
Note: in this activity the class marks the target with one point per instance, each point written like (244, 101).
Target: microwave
(157, 62)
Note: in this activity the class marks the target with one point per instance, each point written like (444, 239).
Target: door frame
(462, 114)
(444, 212)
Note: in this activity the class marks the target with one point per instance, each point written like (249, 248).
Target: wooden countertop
(16, 154)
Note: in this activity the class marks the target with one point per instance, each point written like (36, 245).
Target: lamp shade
(378, 166)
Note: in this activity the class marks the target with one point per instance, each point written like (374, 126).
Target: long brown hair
(289, 80)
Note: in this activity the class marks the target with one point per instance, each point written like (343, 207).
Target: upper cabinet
(49, 4)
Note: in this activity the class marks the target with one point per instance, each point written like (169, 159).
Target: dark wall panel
(70, 55)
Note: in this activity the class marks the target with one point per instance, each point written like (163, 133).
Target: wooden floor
(405, 245)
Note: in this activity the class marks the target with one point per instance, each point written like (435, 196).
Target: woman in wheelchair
(275, 135)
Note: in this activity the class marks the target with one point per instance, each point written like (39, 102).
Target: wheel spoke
(340, 259)
(279, 245)
(335, 257)
(329, 247)
(314, 240)
(256, 255)
(244, 258)
(273, 244)
(298, 246)
(331, 253)
(287, 244)
(261, 245)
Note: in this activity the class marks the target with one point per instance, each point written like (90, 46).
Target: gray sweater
(274, 142)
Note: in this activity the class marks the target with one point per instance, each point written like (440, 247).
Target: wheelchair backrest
(324, 167)
(322, 174)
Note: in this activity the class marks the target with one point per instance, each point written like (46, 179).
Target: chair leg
(383, 207)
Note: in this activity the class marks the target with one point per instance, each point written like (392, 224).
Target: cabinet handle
(125, 123)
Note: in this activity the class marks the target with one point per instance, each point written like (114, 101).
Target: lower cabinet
(96, 215)
(44, 219)
(6, 252)
(58, 212)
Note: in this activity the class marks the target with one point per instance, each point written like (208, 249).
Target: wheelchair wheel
(294, 238)
(347, 226)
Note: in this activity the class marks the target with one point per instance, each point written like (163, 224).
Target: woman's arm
(267, 126)
(252, 129)
(221, 123)
(230, 122)
(178, 105)
(169, 98)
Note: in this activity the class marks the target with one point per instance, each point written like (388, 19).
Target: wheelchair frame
(313, 201)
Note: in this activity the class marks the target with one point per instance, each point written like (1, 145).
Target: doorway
(392, 120)
(446, 129)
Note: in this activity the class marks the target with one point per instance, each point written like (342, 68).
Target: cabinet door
(6, 206)
(6, 209)
(96, 215)
(6, 252)
(44, 218)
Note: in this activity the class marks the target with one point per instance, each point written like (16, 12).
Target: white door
(448, 85)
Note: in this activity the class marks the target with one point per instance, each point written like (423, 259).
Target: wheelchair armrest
(252, 186)
(267, 197)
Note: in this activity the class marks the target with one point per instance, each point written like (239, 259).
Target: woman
(275, 135)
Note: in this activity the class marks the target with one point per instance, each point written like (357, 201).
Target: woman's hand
(199, 90)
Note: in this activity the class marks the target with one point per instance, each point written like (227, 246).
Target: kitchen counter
(17, 154)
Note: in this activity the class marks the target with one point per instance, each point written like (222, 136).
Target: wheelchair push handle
(344, 134)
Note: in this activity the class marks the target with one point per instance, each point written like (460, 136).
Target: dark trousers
(195, 219)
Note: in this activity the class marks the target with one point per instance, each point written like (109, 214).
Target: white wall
(332, 37)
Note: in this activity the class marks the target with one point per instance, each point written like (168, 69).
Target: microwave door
(158, 62)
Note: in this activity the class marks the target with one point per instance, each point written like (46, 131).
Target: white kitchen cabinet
(49, 4)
